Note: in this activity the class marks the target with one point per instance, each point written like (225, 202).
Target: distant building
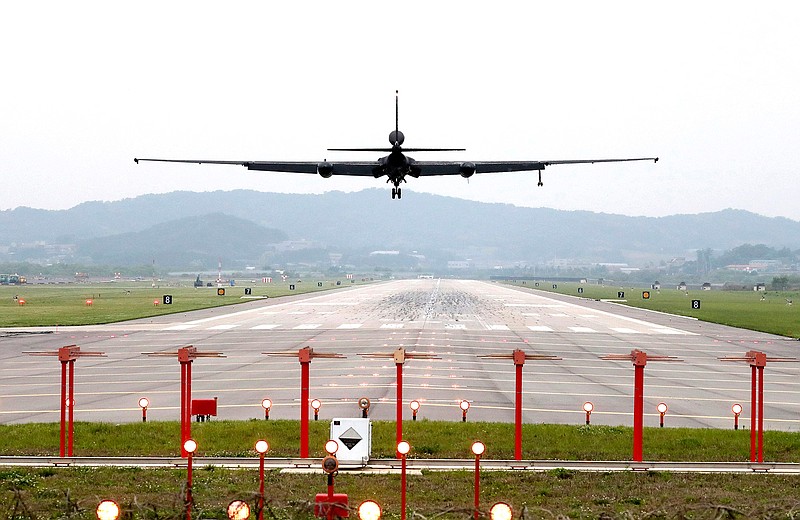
(656, 285)
(760, 287)
(706, 286)
(682, 286)
(458, 264)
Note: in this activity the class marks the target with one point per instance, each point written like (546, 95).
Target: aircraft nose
(396, 137)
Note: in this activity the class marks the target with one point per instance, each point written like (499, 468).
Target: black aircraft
(397, 165)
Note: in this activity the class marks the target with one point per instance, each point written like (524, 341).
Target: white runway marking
(223, 327)
(180, 327)
(582, 329)
(540, 328)
(392, 326)
(266, 327)
(665, 330)
(307, 326)
(623, 330)
(497, 327)
(350, 326)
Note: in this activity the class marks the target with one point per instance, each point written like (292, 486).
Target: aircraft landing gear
(396, 193)
(540, 178)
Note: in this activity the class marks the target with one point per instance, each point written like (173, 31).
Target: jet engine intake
(325, 170)
(467, 170)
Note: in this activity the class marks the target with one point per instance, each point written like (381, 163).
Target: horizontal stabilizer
(391, 149)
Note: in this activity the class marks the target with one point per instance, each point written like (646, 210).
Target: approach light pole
(518, 356)
(67, 356)
(262, 447)
(757, 362)
(478, 448)
(400, 356)
(639, 359)
(186, 355)
(304, 355)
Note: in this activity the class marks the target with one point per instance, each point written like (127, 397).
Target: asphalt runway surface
(458, 320)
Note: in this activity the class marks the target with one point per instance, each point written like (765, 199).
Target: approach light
(662, 409)
(107, 510)
(238, 510)
(262, 446)
(736, 409)
(369, 510)
(588, 407)
(190, 446)
(464, 405)
(478, 448)
(330, 464)
(144, 402)
(500, 511)
(414, 405)
(331, 447)
(403, 448)
(316, 404)
(266, 404)
(363, 403)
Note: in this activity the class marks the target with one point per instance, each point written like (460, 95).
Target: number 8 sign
(695, 304)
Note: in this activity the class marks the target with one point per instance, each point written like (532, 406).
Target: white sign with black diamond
(355, 441)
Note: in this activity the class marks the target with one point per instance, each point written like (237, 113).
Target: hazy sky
(709, 87)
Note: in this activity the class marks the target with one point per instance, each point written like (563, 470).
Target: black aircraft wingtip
(136, 160)
(656, 160)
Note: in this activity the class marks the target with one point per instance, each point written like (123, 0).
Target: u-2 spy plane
(397, 165)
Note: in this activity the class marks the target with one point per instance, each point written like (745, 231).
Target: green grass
(157, 493)
(49, 305)
(429, 439)
(744, 309)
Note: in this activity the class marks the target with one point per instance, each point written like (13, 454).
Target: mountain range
(193, 229)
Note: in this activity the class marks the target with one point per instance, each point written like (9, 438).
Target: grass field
(157, 493)
(51, 305)
(744, 309)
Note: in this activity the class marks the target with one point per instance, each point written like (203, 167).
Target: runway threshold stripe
(625, 330)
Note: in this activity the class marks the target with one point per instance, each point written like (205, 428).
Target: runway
(458, 320)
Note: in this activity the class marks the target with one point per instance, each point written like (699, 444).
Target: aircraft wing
(358, 168)
(457, 168)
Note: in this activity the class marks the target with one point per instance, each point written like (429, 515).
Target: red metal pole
(399, 407)
(330, 496)
(304, 390)
(62, 439)
(261, 487)
(638, 411)
(753, 413)
(184, 453)
(477, 486)
(760, 414)
(189, 399)
(189, 498)
(402, 487)
(518, 415)
(71, 405)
